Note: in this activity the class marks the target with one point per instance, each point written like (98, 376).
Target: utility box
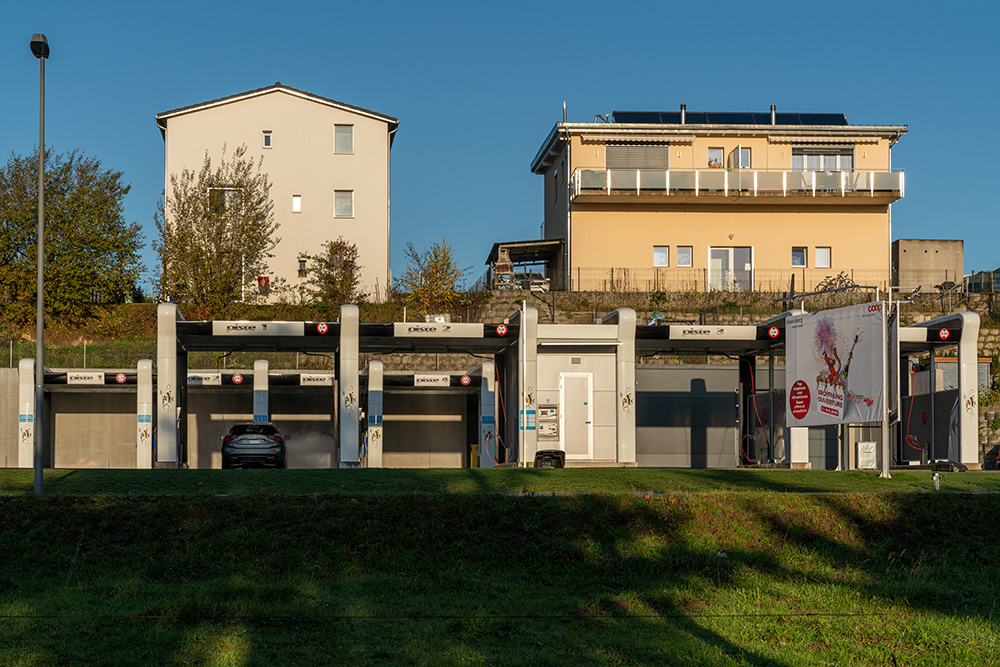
(867, 456)
(548, 423)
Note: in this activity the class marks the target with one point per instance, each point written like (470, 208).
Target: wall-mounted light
(731, 236)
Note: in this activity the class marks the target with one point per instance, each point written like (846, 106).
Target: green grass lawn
(487, 567)
(496, 480)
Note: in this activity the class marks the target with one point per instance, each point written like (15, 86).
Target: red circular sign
(237, 378)
(322, 327)
(943, 334)
(466, 380)
(773, 332)
(120, 378)
(923, 418)
(501, 329)
(798, 399)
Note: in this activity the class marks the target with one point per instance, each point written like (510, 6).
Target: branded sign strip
(707, 332)
(85, 378)
(205, 379)
(437, 330)
(316, 379)
(431, 380)
(246, 328)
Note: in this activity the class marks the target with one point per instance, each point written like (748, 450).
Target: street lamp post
(40, 49)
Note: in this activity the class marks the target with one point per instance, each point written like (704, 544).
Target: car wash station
(562, 394)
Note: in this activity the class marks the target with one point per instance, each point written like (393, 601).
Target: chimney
(683, 113)
(564, 112)
(773, 116)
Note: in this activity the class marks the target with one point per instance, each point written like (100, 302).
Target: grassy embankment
(479, 567)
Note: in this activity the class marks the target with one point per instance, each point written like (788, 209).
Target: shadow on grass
(473, 578)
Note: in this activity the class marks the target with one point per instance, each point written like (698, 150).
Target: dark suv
(253, 444)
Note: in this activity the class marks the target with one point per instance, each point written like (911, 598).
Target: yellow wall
(606, 236)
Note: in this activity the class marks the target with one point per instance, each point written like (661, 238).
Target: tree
(91, 251)
(216, 231)
(335, 277)
(432, 278)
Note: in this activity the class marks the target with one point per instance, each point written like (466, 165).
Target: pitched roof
(162, 118)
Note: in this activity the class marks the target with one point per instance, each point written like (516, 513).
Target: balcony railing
(738, 183)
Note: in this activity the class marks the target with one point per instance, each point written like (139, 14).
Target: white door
(576, 415)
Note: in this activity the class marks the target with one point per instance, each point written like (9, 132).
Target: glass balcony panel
(886, 182)
(653, 179)
(682, 181)
(828, 181)
(741, 181)
(799, 182)
(624, 179)
(711, 179)
(856, 181)
(769, 182)
(593, 179)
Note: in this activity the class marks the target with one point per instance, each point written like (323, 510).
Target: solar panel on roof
(636, 117)
(823, 119)
(728, 118)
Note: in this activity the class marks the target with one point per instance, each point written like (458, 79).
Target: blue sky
(456, 74)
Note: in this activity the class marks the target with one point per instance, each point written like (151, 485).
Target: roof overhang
(162, 118)
(527, 252)
(552, 147)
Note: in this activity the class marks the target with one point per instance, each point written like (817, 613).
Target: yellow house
(726, 201)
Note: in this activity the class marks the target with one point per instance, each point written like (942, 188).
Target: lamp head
(39, 45)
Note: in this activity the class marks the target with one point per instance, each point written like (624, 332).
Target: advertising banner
(834, 366)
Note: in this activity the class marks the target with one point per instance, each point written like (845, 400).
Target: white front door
(576, 415)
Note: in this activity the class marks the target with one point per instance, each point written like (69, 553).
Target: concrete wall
(8, 417)
(301, 161)
(927, 262)
(425, 430)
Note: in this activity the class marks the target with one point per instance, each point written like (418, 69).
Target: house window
(223, 200)
(822, 257)
(296, 203)
(714, 158)
(302, 268)
(822, 159)
(744, 158)
(661, 255)
(684, 255)
(267, 138)
(343, 203)
(798, 256)
(343, 139)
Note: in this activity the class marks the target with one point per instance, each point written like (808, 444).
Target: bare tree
(216, 231)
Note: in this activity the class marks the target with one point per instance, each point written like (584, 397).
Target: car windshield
(256, 429)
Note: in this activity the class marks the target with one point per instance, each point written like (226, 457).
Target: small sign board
(204, 379)
(315, 379)
(431, 381)
(89, 378)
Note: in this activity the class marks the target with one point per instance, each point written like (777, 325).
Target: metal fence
(681, 279)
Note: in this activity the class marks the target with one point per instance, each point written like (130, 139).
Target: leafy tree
(91, 251)
(335, 277)
(432, 278)
(216, 231)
